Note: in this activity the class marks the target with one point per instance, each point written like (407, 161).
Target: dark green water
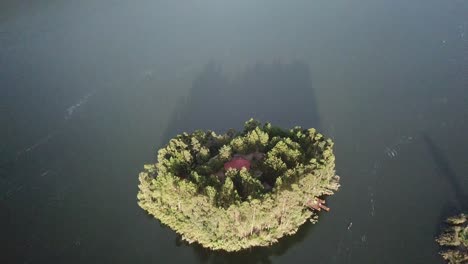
(90, 90)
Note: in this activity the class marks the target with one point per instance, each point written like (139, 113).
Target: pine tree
(228, 194)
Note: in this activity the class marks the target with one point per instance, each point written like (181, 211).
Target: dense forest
(239, 189)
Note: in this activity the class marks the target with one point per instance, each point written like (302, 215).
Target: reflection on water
(254, 255)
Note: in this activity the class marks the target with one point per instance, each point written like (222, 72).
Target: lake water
(89, 90)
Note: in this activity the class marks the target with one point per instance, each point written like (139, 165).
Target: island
(239, 189)
(454, 240)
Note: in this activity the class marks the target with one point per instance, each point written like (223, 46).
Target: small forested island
(455, 240)
(239, 189)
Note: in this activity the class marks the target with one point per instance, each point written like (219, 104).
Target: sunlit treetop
(454, 240)
(239, 189)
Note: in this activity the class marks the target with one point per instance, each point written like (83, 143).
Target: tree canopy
(455, 240)
(189, 190)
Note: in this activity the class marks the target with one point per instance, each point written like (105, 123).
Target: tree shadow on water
(445, 171)
(280, 93)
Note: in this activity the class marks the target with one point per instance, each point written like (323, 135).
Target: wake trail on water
(84, 100)
(69, 113)
(12, 186)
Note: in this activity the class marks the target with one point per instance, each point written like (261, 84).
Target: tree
(228, 194)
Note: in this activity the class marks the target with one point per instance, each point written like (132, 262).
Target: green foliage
(288, 151)
(251, 125)
(455, 240)
(275, 131)
(238, 145)
(228, 194)
(256, 139)
(225, 153)
(249, 187)
(275, 166)
(188, 189)
(464, 236)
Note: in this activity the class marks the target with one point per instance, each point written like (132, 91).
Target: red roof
(237, 163)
